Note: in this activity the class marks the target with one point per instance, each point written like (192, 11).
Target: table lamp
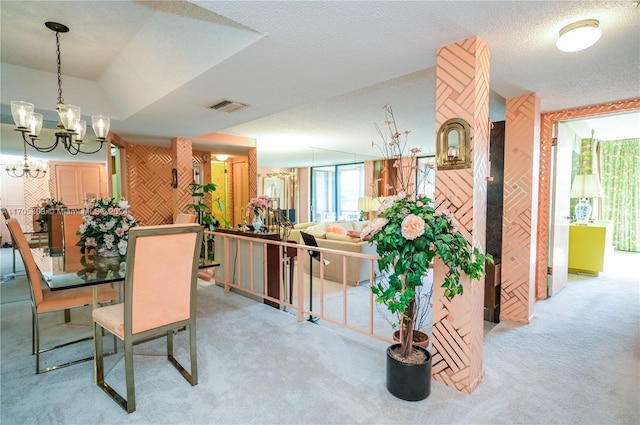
(585, 186)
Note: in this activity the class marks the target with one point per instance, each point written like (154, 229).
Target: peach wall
(462, 91)
(149, 183)
(520, 208)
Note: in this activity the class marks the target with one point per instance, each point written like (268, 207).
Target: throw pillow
(336, 229)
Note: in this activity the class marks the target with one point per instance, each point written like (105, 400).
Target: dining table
(67, 267)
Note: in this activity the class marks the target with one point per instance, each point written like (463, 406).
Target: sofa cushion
(303, 225)
(335, 228)
(318, 234)
(340, 237)
(359, 225)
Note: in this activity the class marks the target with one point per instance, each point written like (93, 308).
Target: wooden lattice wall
(462, 91)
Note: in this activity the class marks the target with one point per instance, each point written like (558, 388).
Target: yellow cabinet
(589, 246)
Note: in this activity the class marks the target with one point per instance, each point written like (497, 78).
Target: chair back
(56, 236)
(185, 218)
(161, 278)
(5, 213)
(70, 225)
(27, 258)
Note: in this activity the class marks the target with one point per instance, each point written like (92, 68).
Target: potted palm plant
(203, 211)
(409, 234)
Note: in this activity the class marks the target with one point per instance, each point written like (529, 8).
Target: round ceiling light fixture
(579, 35)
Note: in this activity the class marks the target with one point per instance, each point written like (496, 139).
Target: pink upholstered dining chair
(70, 225)
(185, 218)
(160, 298)
(47, 301)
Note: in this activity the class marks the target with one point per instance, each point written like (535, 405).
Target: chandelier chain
(60, 99)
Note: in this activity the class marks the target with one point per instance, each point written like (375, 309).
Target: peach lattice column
(462, 91)
(182, 161)
(520, 215)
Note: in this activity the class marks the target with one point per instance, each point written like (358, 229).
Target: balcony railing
(245, 262)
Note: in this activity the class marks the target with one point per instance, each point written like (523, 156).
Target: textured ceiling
(314, 75)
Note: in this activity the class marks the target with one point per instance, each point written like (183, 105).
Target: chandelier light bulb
(69, 116)
(35, 125)
(100, 126)
(21, 113)
(579, 35)
(81, 130)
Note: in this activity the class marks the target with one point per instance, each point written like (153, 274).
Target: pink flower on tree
(412, 227)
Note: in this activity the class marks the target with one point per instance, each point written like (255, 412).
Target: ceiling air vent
(227, 106)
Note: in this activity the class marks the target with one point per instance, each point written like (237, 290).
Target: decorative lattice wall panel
(150, 192)
(183, 162)
(520, 208)
(462, 91)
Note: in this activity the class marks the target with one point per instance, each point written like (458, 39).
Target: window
(426, 176)
(335, 190)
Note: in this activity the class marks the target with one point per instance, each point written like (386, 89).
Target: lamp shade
(364, 203)
(586, 186)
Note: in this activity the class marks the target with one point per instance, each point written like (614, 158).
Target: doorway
(545, 186)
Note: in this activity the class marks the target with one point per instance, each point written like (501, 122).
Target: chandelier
(30, 169)
(71, 129)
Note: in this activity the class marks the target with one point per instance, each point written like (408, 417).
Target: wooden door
(560, 208)
(76, 181)
(240, 189)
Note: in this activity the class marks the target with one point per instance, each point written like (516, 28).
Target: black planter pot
(411, 382)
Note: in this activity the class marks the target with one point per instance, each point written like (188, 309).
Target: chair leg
(193, 351)
(38, 351)
(192, 377)
(130, 404)
(98, 359)
(33, 331)
(128, 362)
(36, 338)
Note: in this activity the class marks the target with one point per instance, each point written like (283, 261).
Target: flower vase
(257, 223)
(104, 251)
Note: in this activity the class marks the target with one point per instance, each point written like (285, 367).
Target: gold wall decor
(452, 146)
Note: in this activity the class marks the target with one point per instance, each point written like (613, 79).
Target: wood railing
(248, 267)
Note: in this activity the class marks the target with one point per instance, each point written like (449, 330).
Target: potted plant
(409, 234)
(203, 211)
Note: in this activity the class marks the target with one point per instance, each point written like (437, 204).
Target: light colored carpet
(576, 363)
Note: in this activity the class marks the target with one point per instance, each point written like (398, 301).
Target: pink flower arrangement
(106, 226)
(259, 205)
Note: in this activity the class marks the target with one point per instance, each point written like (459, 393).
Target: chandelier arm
(32, 143)
(75, 148)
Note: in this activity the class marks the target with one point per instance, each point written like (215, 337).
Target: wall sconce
(453, 145)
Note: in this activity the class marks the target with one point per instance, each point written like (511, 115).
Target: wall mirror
(453, 145)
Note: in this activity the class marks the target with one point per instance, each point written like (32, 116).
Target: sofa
(334, 236)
